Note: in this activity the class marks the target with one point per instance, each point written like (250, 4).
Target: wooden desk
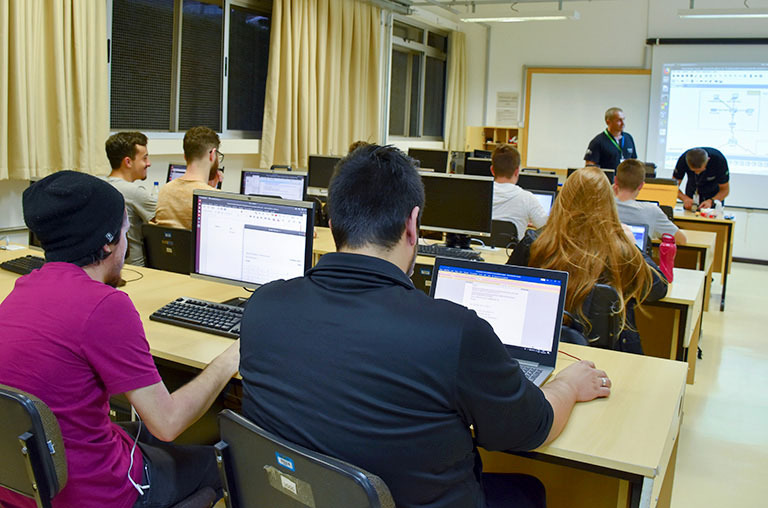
(697, 254)
(626, 442)
(618, 451)
(723, 229)
(670, 328)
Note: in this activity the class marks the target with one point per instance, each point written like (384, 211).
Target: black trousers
(173, 472)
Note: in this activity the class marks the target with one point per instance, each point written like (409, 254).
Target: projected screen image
(724, 106)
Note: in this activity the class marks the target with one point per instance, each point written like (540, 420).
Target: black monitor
(545, 199)
(662, 181)
(320, 170)
(33, 240)
(457, 204)
(436, 160)
(538, 182)
(477, 166)
(175, 171)
(278, 184)
(482, 154)
(250, 240)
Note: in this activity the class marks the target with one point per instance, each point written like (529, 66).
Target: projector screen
(699, 100)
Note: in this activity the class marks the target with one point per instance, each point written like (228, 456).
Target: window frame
(173, 131)
(423, 50)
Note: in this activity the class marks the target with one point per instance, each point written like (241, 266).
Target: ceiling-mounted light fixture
(518, 17)
(742, 13)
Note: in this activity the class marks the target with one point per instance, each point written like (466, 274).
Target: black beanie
(73, 214)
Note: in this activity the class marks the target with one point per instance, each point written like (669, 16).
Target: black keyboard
(211, 317)
(437, 250)
(24, 265)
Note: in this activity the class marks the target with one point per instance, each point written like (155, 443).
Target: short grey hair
(612, 111)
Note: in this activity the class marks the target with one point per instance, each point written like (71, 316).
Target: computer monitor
(538, 182)
(477, 166)
(320, 170)
(482, 154)
(640, 232)
(545, 198)
(457, 203)
(278, 184)
(250, 240)
(436, 160)
(175, 171)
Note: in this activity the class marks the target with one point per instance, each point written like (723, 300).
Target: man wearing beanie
(174, 201)
(73, 340)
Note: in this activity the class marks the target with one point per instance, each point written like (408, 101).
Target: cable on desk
(140, 275)
(569, 354)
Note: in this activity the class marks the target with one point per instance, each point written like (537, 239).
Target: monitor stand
(237, 301)
(457, 240)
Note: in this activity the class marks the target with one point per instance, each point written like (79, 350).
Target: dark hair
(121, 145)
(696, 158)
(630, 174)
(198, 141)
(372, 192)
(505, 159)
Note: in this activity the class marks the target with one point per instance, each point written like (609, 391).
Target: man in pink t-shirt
(73, 340)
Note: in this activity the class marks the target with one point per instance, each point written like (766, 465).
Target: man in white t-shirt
(629, 179)
(510, 202)
(129, 159)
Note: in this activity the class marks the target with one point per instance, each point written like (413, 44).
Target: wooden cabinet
(487, 138)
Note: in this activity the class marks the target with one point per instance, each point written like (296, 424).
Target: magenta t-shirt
(73, 342)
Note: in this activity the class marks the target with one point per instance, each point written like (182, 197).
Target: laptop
(640, 232)
(545, 198)
(523, 305)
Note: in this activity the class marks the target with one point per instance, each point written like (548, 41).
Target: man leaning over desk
(73, 340)
(352, 361)
(707, 171)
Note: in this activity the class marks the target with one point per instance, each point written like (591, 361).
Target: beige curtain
(456, 95)
(54, 111)
(323, 80)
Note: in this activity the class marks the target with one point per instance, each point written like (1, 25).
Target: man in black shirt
(707, 172)
(613, 145)
(352, 361)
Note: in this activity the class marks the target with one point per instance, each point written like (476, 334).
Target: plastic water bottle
(156, 190)
(718, 209)
(667, 251)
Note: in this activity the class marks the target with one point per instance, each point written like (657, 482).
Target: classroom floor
(723, 450)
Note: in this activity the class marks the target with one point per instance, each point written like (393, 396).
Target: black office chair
(168, 249)
(601, 307)
(33, 462)
(503, 234)
(261, 470)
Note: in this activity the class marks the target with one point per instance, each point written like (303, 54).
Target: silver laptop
(523, 305)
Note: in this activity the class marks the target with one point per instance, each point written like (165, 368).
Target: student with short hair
(512, 203)
(584, 237)
(174, 201)
(627, 183)
(129, 159)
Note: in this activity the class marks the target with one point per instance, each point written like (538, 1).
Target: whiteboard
(565, 109)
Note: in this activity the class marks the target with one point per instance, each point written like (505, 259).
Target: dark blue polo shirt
(604, 152)
(353, 361)
(707, 182)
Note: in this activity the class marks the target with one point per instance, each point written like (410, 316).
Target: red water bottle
(667, 251)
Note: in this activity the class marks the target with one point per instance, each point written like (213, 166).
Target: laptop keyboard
(202, 315)
(23, 265)
(530, 372)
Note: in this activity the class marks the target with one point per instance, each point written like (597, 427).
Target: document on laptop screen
(522, 310)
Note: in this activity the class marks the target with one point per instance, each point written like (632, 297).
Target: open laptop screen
(545, 199)
(524, 310)
(286, 185)
(640, 232)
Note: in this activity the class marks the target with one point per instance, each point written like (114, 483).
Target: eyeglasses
(218, 154)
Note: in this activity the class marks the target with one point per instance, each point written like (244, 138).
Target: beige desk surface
(689, 215)
(633, 430)
(323, 244)
(687, 288)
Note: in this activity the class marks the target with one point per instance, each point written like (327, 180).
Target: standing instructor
(613, 145)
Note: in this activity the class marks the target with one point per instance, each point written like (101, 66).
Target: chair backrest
(260, 470)
(168, 249)
(503, 234)
(602, 309)
(33, 460)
